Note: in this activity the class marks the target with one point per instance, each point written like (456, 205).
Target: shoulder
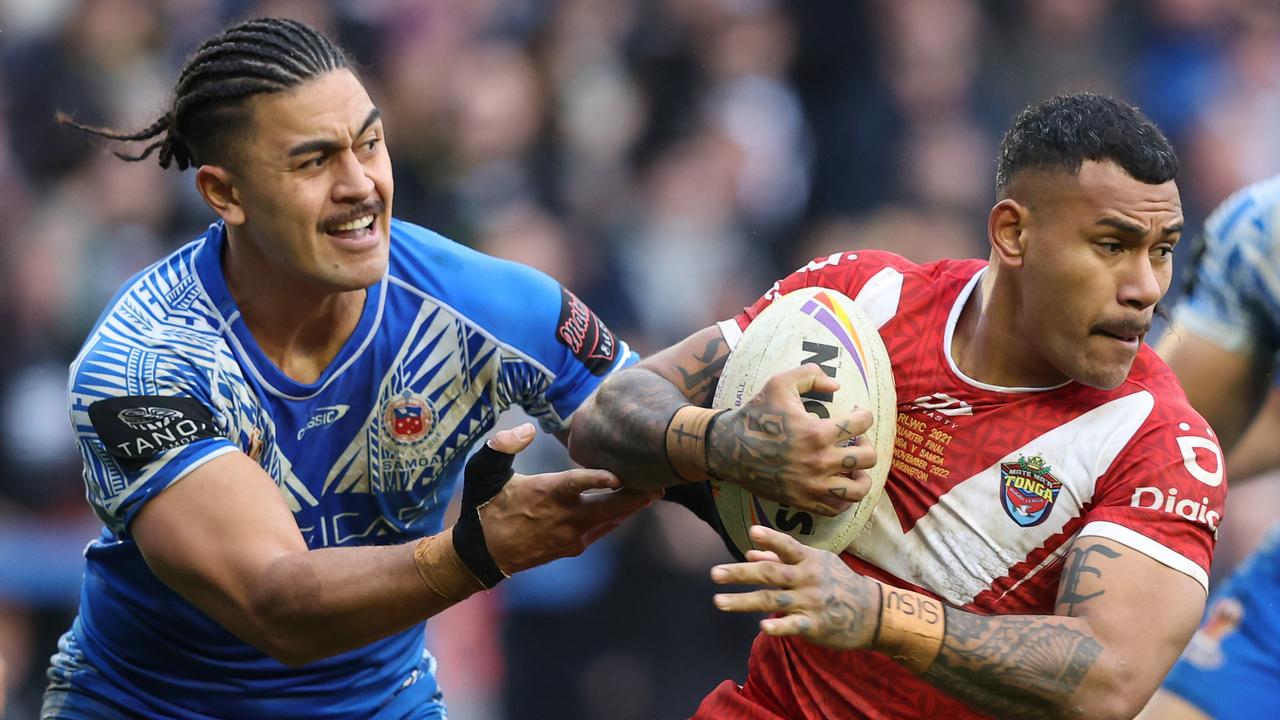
(431, 264)
(159, 326)
(1248, 221)
(522, 308)
(874, 279)
(1173, 433)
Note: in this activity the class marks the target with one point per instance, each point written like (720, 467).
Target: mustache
(373, 207)
(1126, 327)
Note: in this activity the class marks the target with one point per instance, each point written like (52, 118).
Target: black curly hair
(1062, 132)
(266, 55)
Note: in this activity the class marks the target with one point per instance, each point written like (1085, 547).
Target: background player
(1077, 609)
(1223, 346)
(274, 415)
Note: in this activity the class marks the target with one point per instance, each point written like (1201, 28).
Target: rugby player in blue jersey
(273, 418)
(1223, 346)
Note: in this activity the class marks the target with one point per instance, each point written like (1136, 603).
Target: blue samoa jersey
(1234, 296)
(1231, 668)
(369, 453)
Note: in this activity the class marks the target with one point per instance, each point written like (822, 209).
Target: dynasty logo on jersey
(1028, 490)
(140, 427)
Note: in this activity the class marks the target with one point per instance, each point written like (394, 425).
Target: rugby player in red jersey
(1043, 543)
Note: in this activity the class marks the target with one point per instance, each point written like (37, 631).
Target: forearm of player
(1029, 666)
(316, 604)
(1122, 619)
(623, 427)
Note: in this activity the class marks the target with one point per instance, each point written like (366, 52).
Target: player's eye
(371, 144)
(1110, 247)
(1164, 252)
(314, 163)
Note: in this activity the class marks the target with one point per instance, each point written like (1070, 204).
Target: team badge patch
(1028, 490)
(137, 428)
(409, 418)
(583, 333)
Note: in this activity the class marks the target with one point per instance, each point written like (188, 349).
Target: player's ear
(1006, 230)
(218, 189)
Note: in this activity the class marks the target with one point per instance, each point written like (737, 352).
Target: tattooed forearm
(1014, 666)
(699, 377)
(623, 426)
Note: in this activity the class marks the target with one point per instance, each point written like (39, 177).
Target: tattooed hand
(774, 448)
(821, 599)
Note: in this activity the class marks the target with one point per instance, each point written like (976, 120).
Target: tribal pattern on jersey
(1234, 293)
(369, 453)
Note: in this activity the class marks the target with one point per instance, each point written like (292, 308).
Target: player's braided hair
(1064, 131)
(265, 55)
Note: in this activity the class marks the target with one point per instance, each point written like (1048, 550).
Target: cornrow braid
(261, 56)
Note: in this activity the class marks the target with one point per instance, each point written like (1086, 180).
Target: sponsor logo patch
(409, 418)
(583, 333)
(141, 427)
(1028, 490)
(1153, 498)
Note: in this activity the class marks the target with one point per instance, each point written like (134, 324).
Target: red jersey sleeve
(1164, 495)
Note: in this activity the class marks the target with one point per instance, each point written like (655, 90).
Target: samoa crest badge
(409, 418)
(1028, 490)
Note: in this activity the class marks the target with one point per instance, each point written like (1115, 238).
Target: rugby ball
(821, 326)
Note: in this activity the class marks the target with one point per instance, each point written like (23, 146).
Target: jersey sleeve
(866, 276)
(1233, 297)
(143, 419)
(556, 351)
(1164, 495)
(570, 340)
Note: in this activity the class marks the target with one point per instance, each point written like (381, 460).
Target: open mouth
(352, 228)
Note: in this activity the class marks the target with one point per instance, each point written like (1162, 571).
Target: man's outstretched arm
(1122, 618)
(770, 445)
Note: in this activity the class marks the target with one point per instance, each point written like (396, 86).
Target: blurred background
(666, 159)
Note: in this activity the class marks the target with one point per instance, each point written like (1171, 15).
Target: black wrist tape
(487, 471)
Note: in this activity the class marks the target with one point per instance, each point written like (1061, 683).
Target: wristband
(911, 627)
(687, 442)
(442, 570)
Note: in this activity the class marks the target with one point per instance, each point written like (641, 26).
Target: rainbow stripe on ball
(828, 312)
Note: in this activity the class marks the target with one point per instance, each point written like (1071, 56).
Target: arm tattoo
(750, 447)
(1013, 666)
(700, 384)
(624, 430)
(1077, 568)
(850, 612)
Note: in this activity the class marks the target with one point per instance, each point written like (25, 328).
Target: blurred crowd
(666, 159)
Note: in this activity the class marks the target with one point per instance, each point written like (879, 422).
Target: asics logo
(323, 417)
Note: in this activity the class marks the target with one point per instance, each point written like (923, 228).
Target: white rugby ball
(821, 326)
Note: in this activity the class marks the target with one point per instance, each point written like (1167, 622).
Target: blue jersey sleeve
(559, 351)
(142, 413)
(1234, 295)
